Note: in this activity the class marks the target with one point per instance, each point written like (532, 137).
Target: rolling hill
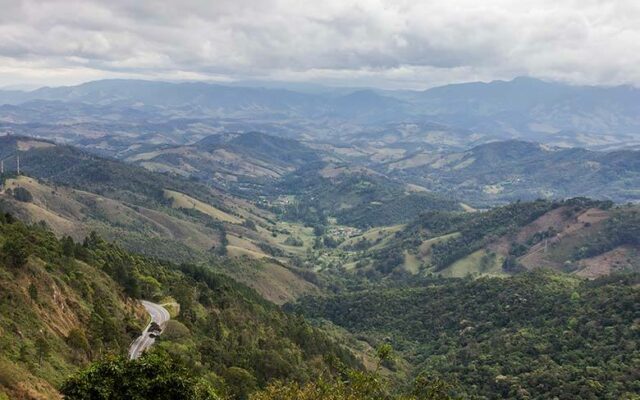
(159, 215)
(242, 162)
(515, 170)
(577, 236)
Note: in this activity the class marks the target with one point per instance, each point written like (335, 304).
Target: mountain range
(524, 108)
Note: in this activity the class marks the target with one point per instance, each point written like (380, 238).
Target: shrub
(22, 194)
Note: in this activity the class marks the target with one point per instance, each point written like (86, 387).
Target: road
(160, 316)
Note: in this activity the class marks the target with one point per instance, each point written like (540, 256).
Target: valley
(405, 254)
(329, 200)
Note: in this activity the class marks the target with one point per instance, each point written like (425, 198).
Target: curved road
(160, 316)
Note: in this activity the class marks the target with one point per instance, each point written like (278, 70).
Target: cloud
(387, 43)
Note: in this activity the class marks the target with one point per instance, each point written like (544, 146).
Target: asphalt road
(160, 316)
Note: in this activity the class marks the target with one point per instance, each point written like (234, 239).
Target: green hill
(507, 171)
(535, 336)
(65, 304)
(155, 214)
(578, 236)
(354, 196)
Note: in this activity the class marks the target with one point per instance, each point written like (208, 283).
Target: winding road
(160, 316)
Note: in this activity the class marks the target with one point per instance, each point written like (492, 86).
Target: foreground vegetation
(537, 336)
(157, 376)
(65, 304)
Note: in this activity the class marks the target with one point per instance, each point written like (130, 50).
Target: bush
(153, 376)
(16, 251)
(22, 194)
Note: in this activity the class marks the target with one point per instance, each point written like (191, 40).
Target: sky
(395, 44)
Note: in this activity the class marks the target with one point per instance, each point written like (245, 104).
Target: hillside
(577, 236)
(159, 215)
(242, 162)
(536, 336)
(67, 304)
(514, 170)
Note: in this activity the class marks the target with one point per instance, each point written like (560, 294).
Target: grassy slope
(77, 193)
(181, 200)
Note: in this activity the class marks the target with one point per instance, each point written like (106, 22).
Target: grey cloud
(377, 42)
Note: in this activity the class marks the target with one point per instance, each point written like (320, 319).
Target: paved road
(160, 316)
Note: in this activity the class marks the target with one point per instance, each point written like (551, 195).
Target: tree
(22, 194)
(68, 246)
(33, 292)
(353, 385)
(16, 251)
(241, 382)
(42, 349)
(428, 388)
(249, 224)
(77, 340)
(152, 376)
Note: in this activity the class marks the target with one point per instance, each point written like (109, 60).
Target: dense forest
(621, 229)
(354, 199)
(538, 335)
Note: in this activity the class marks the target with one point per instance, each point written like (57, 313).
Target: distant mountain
(538, 110)
(514, 170)
(524, 108)
(205, 99)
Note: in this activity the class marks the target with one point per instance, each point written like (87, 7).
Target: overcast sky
(390, 44)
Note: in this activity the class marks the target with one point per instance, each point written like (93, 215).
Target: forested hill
(578, 236)
(65, 304)
(540, 335)
(507, 171)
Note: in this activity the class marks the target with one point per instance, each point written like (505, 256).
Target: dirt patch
(556, 219)
(573, 231)
(618, 259)
(593, 215)
(25, 145)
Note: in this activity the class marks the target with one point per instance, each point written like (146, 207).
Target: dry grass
(620, 258)
(274, 282)
(181, 200)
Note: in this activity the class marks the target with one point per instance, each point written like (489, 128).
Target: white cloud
(388, 43)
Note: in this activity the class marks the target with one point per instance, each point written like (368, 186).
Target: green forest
(539, 335)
